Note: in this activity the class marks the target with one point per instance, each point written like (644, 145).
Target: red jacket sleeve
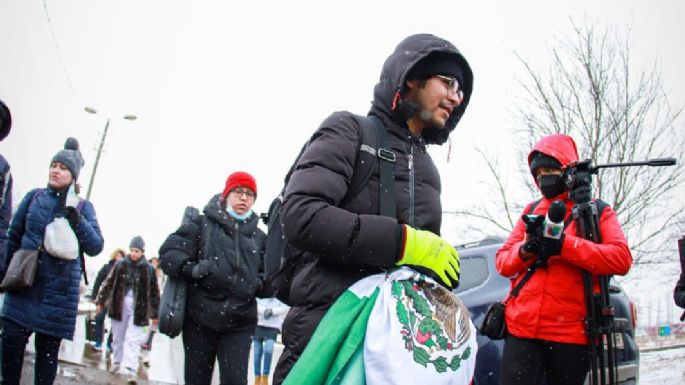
(612, 256)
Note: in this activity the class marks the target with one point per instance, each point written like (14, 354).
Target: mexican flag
(391, 328)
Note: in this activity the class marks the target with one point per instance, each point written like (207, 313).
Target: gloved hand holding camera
(581, 192)
(533, 233)
(550, 247)
(536, 243)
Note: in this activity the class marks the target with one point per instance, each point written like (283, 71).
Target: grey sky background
(221, 86)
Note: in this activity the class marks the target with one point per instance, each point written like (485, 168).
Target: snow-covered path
(664, 367)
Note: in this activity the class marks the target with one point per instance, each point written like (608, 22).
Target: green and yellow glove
(425, 249)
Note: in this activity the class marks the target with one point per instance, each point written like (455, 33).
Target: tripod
(600, 313)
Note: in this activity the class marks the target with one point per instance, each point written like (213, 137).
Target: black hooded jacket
(224, 299)
(342, 245)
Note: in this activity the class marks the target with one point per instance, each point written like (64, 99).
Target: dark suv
(481, 285)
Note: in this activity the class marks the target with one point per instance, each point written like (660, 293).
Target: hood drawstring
(449, 149)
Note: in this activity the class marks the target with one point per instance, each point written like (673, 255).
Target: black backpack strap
(532, 207)
(601, 205)
(386, 169)
(373, 145)
(514, 292)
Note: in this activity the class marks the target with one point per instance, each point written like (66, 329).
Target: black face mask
(551, 185)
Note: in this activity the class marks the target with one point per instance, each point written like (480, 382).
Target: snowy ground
(664, 367)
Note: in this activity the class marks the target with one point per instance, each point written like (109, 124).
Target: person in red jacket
(545, 321)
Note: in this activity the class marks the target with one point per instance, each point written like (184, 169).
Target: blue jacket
(51, 305)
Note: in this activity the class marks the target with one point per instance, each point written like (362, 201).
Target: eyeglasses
(452, 85)
(244, 190)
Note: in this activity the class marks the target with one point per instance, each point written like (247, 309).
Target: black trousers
(525, 360)
(14, 340)
(203, 345)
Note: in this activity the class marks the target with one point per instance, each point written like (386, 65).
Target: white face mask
(235, 215)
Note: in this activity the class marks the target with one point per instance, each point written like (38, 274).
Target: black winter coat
(225, 299)
(340, 245)
(343, 245)
(145, 290)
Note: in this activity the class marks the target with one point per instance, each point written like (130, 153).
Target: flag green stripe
(334, 342)
(355, 372)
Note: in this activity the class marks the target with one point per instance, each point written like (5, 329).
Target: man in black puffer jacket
(422, 94)
(220, 255)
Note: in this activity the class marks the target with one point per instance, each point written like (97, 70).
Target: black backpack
(281, 258)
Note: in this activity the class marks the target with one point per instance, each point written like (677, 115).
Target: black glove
(72, 216)
(550, 246)
(268, 313)
(532, 245)
(201, 269)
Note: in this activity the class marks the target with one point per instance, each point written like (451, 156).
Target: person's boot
(257, 380)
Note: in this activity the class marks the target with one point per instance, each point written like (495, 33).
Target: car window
(474, 271)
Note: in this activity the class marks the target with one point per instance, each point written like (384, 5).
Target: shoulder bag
(494, 326)
(21, 271)
(172, 305)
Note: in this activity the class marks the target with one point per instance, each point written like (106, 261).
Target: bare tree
(592, 92)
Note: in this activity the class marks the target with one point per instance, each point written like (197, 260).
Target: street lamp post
(91, 110)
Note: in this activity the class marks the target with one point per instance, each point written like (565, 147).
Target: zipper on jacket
(410, 164)
(237, 244)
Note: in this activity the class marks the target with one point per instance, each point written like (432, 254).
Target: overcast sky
(220, 86)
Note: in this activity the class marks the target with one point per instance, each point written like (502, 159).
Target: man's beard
(427, 117)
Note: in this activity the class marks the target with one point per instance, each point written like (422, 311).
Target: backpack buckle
(387, 155)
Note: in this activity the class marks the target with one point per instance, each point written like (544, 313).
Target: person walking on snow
(48, 309)
(117, 255)
(131, 295)
(220, 254)
(423, 91)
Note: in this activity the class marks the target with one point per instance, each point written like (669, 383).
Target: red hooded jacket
(551, 305)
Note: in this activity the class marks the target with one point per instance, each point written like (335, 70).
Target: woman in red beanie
(219, 254)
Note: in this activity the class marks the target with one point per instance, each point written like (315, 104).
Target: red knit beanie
(239, 179)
